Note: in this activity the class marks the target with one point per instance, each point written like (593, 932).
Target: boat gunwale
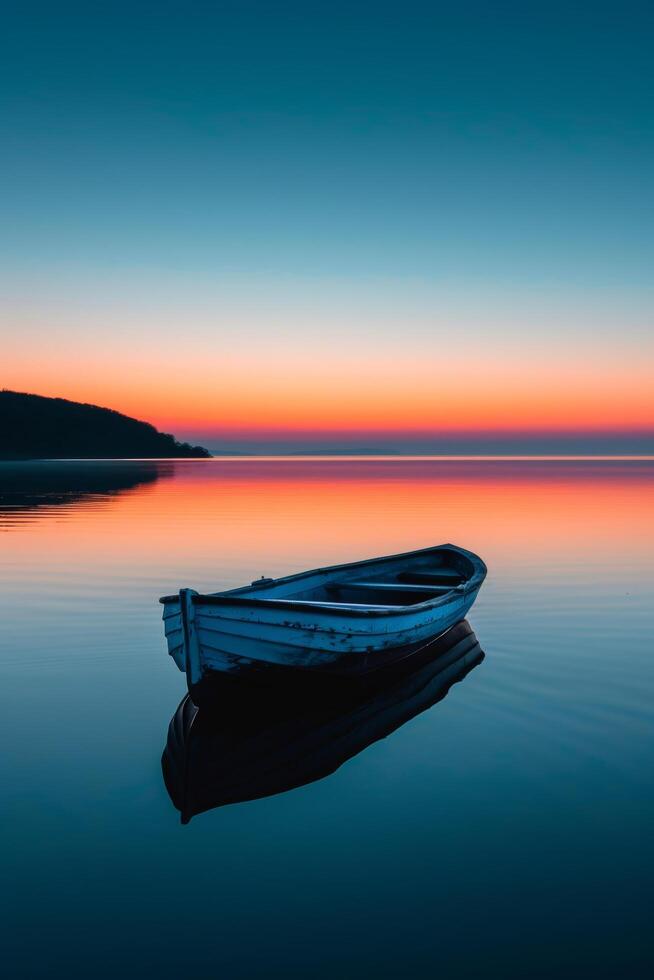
(234, 597)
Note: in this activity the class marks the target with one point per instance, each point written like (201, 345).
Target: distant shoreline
(322, 457)
(34, 427)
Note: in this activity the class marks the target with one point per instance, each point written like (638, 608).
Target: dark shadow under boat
(251, 742)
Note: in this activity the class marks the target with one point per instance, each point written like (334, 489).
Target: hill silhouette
(35, 427)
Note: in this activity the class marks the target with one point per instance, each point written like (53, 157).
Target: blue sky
(211, 170)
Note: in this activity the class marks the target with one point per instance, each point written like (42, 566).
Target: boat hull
(266, 647)
(245, 634)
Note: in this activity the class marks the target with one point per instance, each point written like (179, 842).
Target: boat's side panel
(324, 646)
(327, 629)
(359, 668)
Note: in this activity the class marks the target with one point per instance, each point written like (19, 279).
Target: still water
(504, 831)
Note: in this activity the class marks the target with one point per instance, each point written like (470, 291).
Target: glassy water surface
(503, 829)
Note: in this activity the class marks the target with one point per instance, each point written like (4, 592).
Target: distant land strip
(511, 444)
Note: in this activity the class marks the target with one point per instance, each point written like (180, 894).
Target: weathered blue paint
(312, 621)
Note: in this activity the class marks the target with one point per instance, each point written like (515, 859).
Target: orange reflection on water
(217, 523)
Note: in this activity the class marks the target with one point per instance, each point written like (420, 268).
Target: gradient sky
(315, 222)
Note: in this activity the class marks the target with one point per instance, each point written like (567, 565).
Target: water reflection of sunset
(219, 522)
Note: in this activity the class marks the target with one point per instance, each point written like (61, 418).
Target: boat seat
(394, 587)
(386, 592)
(443, 576)
(378, 606)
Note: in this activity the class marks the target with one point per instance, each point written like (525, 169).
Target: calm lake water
(506, 831)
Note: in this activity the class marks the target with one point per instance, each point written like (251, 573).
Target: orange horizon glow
(400, 412)
(345, 388)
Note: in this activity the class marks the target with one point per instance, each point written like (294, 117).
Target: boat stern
(173, 629)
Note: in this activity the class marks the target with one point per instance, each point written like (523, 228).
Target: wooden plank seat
(393, 587)
(444, 576)
(396, 593)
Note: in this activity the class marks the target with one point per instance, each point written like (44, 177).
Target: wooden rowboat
(258, 744)
(345, 620)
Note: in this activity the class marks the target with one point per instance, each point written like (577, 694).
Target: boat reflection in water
(252, 742)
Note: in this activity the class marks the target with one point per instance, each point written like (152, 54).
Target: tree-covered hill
(34, 427)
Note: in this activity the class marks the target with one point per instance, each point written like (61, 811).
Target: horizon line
(329, 457)
(397, 457)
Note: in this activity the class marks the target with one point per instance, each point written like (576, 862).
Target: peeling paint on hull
(290, 622)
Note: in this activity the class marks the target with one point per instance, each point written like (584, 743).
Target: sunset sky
(332, 223)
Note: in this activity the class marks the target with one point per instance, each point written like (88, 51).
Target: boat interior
(380, 584)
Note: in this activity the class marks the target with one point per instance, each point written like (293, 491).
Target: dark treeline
(34, 427)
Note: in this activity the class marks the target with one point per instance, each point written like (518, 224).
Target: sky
(333, 224)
